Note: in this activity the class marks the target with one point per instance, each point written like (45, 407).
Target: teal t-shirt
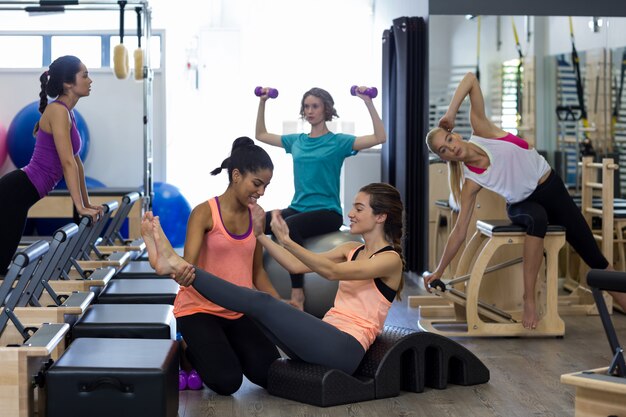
(317, 169)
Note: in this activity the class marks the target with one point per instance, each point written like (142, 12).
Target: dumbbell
(194, 382)
(182, 380)
(271, 92)
(371, 92)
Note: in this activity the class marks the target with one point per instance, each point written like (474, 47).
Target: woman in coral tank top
(223, 345)
(370, 275)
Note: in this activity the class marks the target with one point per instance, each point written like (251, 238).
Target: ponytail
(43, 97)
(385, 199)
(221, 167)
(397, 246)
(62, 70)
(245, 156)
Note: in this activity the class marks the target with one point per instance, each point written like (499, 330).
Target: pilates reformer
(602, 391)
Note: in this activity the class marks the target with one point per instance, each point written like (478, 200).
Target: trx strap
(518, 75)
(580, 92)
(618, 96)
(478, 50)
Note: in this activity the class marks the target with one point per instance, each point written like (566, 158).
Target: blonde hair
(455, 171)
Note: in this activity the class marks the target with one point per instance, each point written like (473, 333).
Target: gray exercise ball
(318, 291)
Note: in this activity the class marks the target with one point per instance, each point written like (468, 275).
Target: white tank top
(513, 171)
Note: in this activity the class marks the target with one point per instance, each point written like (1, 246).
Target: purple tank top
(44, 169)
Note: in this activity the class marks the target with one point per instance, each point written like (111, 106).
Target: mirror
(523, 97)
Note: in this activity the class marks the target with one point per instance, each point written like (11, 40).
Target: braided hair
(62, 70)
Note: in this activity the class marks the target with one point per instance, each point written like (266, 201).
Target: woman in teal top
(317, 158)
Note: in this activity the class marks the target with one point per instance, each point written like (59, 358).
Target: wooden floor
(524, 382)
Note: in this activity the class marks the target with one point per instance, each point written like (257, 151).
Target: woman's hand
(186, 276)
(280, 228)
(99, 208)
(428, 278)
(362, 96)
(265, 94)
(88, 211)
(447, 122)
(258, 219)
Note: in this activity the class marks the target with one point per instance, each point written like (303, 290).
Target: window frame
(105, 41)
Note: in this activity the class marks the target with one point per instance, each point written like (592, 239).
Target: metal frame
(60, 6)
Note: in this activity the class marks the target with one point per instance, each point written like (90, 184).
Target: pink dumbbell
(371, 92)
(271, 92)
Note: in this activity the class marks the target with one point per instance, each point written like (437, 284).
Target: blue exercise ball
(20, 138)
(173, 210)
(90, 182)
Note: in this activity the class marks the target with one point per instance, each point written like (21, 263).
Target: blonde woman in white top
(504, 163)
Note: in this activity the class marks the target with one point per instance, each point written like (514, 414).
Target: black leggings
(299, 334)
(17, 196)
(550, 203)
(223, 350)
(303, 225)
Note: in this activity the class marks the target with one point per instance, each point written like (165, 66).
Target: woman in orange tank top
(371, 275)
(224, 345)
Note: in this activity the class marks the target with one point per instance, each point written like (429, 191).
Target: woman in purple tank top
(55, 155)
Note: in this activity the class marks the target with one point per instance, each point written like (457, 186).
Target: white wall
(456, 36)
(237, 44)
(612, 35)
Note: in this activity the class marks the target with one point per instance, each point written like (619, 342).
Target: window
(35, 50)
(87, 48)
(131, 44)
(511, 90)
(21, 51)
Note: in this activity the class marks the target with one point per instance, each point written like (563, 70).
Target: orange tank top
(225, 255)
(360, 309)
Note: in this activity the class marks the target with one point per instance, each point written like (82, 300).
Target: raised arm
(379, 136)
(459, 232)
(261, 131)
(481, 125)
(387, 266)
(288, 261)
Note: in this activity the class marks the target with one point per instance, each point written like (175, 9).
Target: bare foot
(146, 234)
(297, 298)
(530, 317)
(163, 258)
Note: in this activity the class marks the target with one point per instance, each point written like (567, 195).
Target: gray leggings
(299, 334)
